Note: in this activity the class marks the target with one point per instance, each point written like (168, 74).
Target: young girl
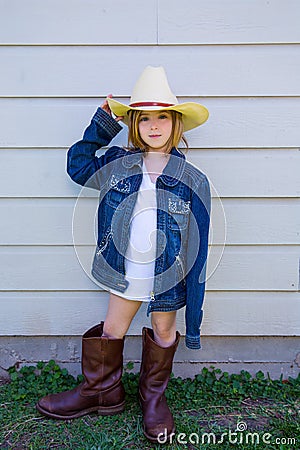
(153, 222)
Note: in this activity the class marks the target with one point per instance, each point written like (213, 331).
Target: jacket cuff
(193, 342)
(110, 125)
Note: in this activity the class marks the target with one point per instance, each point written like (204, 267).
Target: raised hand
(106, 108)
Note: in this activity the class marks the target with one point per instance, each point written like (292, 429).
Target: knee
(164, 334)
(110, 330)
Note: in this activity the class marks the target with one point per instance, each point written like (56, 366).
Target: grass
(234, 411)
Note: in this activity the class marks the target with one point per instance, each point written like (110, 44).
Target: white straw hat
(152, 93)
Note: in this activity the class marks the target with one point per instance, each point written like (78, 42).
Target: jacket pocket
(178, 214)
(119, 189)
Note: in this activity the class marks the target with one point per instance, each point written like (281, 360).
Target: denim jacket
(183, 210)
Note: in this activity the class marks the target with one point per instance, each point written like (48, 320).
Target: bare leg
(164, 327)
(119, 316)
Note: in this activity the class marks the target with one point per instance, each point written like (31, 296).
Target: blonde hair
(135, 140)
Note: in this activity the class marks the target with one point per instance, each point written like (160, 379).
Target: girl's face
(155, 128)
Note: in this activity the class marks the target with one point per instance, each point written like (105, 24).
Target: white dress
(141, 252)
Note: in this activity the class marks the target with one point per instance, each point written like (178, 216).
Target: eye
(163, 116)
(144, 119)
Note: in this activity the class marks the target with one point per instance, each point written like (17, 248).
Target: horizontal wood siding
(254, 70)
(49, 221)
(237, 173)
(58, 62)
(226, 313)
(234, 122)
(238, 268)
(78, 22)
(230, 21)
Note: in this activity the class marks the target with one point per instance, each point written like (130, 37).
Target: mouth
(154, 135)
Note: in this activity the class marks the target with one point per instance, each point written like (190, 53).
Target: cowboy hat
(152, 93)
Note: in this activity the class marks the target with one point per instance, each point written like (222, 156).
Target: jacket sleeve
(82, 164)
(196, 262)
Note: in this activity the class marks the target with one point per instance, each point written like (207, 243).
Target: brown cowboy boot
(155, 372)
(101, 390)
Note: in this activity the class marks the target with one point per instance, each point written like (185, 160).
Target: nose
(153, 124)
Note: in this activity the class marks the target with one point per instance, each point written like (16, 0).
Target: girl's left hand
(106, 108)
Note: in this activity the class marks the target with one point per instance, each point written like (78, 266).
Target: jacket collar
(173, 171)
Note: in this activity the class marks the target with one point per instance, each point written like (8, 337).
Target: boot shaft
(154, 357)
(154, 376)
(102, 360)
(157, 363)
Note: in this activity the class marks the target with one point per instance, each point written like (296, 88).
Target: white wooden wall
(241, 59)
